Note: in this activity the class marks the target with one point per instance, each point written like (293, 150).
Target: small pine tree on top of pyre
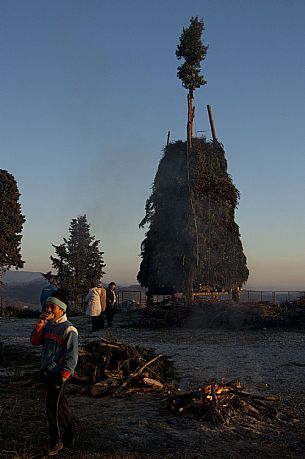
(192, 50)
(192, 237)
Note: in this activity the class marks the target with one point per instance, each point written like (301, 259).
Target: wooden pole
(168, 137)
(211, 122)
(190, 115)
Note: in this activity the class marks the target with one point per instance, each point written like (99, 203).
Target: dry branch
(137, 373)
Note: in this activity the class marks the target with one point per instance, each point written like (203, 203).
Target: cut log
(153, 383)
(137, 373)
(101, 388)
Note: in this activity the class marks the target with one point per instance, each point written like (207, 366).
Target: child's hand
(44, 317)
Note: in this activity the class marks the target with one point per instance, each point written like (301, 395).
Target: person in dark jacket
(46, 292)
(111, 303)
(59, 339)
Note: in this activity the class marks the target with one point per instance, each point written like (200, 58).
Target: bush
(11, 311)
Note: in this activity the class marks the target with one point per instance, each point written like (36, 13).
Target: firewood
(220, 403)
(101, 388)
(117, 374)
(152, 382)
(124, 364)
(137, 373)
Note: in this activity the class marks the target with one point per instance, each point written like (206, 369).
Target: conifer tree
(11, 223)
(79, 260)
(192, 50)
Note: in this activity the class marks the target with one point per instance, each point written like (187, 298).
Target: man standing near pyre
(110, 303)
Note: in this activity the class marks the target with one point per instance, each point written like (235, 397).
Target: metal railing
(132, 299)
(128, 299)
(137, 298)
(253, 296)
(276, 297)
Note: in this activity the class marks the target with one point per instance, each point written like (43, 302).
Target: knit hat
(59, 298)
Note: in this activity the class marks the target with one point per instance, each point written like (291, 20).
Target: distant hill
(24, 288)
(17, 277)
(27, 293)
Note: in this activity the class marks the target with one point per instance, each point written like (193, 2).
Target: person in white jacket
(96, 305)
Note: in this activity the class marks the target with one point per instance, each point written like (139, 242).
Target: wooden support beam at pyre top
(212, 123)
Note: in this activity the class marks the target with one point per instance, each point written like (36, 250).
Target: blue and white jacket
(60, 346)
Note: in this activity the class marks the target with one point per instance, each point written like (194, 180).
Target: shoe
(55, 450)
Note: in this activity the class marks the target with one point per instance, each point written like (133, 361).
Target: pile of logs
(224, 403)
(168, 313)
(108, 367)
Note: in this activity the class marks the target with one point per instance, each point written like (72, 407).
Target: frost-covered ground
(267, 362)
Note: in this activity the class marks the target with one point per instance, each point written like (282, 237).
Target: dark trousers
(97, 322)
(110, 312)
(58, 413)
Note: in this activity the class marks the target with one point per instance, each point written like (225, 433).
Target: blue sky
(89, 90)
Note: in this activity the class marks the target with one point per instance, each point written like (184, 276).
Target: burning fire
(223, 403)
(213, 389)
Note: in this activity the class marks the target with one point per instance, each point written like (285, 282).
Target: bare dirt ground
(266, 361)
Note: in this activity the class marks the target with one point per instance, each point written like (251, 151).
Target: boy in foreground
(59, 339)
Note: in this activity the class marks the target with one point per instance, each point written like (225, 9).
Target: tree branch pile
(164, 314)
(225, 404)
(108, 367)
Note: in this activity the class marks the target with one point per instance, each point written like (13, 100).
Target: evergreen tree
(79, 260)
(192, 50)
(11, 223)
